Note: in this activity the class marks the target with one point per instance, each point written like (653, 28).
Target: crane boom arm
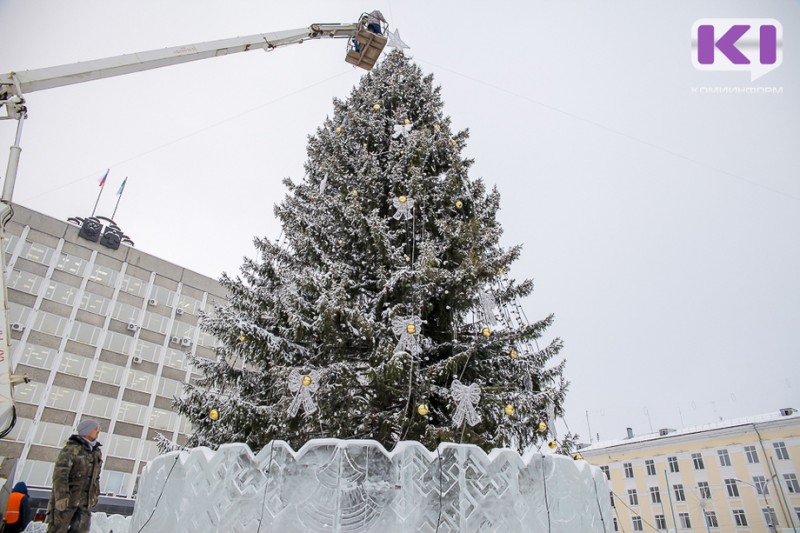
(20, 83)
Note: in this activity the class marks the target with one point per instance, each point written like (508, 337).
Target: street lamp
(762, 491)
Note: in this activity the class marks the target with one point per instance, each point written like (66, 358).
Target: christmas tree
(386, 310)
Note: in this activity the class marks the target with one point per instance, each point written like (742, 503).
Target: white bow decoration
(402, 129)
(551, 417)
(323, 184)
(408, 330)
(404, 206)
(467, 398)
(487, 303)
(303, 386)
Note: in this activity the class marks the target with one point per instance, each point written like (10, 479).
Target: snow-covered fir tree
(386, 310)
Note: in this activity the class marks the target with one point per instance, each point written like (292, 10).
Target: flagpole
(119, 196)
(102, 186)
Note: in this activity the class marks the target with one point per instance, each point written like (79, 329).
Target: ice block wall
(354, 486)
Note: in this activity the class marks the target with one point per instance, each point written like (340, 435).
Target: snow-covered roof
(723, 424)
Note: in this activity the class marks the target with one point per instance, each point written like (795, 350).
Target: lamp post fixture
(762, 490)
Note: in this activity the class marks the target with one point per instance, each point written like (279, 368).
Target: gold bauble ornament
(406, 122)
(339, 129)
(340, 242)
(408, 259)
(423, 410)
(453, 142)
(514, 354)
(213, 414)
(411, 329)
(578, 457)
(355, 193)
(459, 204)
(486, 332)
(402, 199)
(306, 381)
(552, 445)
(500, 271)
(242, 338)
(436, 127)
(542, 427)
(509, 409)
(376, 107)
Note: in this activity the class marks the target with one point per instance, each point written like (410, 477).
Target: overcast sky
(661, 225)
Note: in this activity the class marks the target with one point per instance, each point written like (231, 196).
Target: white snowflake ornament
(303, 386)
(467, 398)
(395, 41)
(408, 330)
(404, 206)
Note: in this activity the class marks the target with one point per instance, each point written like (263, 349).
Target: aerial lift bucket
(368, 49)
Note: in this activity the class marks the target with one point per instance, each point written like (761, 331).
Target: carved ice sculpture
(354, 486)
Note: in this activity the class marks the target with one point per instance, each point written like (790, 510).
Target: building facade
(738, 475)
(102, 333)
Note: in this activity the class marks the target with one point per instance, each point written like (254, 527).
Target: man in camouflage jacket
(76, 481)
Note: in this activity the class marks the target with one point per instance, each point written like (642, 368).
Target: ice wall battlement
(339, 486)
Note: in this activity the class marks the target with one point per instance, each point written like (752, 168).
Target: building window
(733, 490)
(769, 516)
(637, 523)
(752, 454)
(791, 483)
(133, 285)
(780, 450)
(655, 495)
(50, 323)
(9, 244)
(162, 419)
(188, 304)
(628, 470)
(611, 494)
(633, 498)
(149, 351)
(651, 467)
(679, 494)
(711, 519)
(61, 293)
(117, 342)
(126, 313)
(25, 282)
(63, 398)
(797, 512)
(113, 483)
(98, 405)
(85, 333)
(168, 388)
(661, 522)
(761, 485)
(673, 464)
(155, 322)
(38, 356)
(95, 304)
(48, 434)
(705, 491)
(132, 412)
(38, 473)
(603, 468)
(29, 392)
(108, 373)
(684, 520)
(39, 253)
(616, 527)
(75, 365)
(141, 381)
(697, 459)
(739, 518)
(724, 458)
(72, 264)
(125, 447)
(105, 275)
(186, 427)
(162, 295)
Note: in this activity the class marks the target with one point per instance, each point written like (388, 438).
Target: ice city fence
(350, 486)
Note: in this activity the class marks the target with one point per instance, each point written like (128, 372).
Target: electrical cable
(439, 518)
(155, 506)
(648, 524)
(266, 485)
(599, 507)
(546, 503)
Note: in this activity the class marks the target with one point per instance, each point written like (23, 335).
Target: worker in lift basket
(76, 481)
(374, 20)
